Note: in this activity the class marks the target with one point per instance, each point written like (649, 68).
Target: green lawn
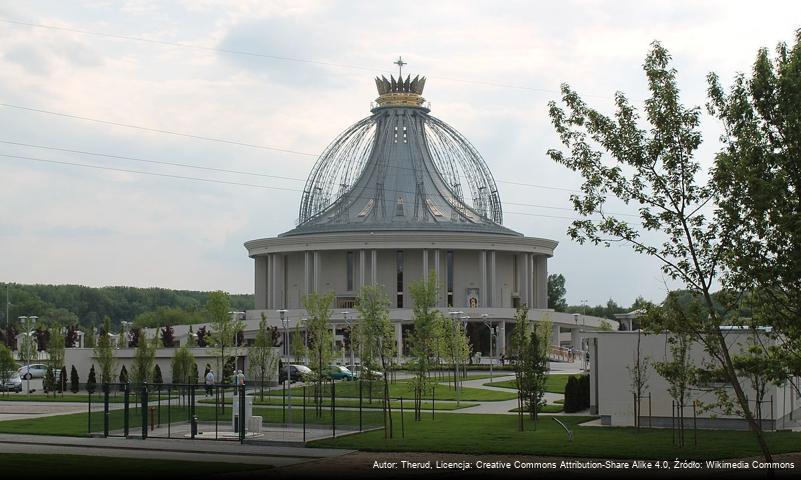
(554, 384)
(498, 434)
(402, 388)
(77, 424)
(353, 403)
(16, 465)
(114, 397)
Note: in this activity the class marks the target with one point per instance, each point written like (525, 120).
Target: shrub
(62, 381)
(157, 379)
(75, 384)
(123, 378)
(91, 381)
(577, 393)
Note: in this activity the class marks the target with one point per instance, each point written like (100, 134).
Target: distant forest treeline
(88, 306)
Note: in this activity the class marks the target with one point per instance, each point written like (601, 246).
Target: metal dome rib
(400, 168)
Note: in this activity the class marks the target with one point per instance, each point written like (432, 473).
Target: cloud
(70, 224)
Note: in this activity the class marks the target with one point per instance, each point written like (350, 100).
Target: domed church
(397, 195)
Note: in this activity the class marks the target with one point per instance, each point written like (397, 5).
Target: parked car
(13, 384)
(365, 373)
(338, 372)
(297, 373)
(34, 370)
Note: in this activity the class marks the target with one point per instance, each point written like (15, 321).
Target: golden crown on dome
(398, 92)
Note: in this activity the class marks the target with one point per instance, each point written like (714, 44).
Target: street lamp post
(454, 318)
(27, 347)
(285, 323)
(490, 326)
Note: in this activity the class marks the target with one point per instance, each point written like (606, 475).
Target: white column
(334, 339)
(270, 266)
(493, 298)
(277, 299)
(425, 264)
(399, 339)
(575, 338)
(362, 257)
(306, 279)
(482, 268)
(501, 346)
(316, 271)
(260, 282)
(527, 280)
(555, 335)
(373, 267)
(437, 275)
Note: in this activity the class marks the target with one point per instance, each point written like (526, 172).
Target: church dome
(400, 169)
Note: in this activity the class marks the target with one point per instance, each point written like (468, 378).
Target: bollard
(194, 426)
(126, 410)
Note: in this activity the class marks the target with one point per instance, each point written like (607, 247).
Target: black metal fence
(226, 412)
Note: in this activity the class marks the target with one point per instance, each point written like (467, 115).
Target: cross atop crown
(400, 63)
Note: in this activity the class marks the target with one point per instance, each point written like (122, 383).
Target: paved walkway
(152, 448)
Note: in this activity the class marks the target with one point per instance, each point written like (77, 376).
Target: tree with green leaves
(261, 356)
(75, 382)
(557, 292)
(423, 339)
(320, 339)
(144, 361)
(56, 348)
(104, 353)
(757, 180)
(224, 327)
(650, 163)
(639, 374)
(7, 364)
(374, 337)
(530, 344)
(89, 338)
(181, 366)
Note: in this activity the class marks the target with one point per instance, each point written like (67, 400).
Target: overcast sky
(69, 224)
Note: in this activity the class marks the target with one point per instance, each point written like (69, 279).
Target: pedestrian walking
(209, 382)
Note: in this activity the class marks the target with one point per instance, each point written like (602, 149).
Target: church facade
(396, 197)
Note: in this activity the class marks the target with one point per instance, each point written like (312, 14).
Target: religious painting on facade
(473, 298)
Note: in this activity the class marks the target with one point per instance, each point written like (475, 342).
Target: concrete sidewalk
(176, 449)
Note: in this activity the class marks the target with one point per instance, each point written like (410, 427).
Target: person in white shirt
(209, 382)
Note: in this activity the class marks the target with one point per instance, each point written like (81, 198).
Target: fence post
(169, 410)
(433, 394)
(360, 402)
(126, 405)
(403, 429)
(105, 410)
(333, 409)
(241, 392)
(192, 415)
(650, 414)
(89, 414)
(304, 414)
(144, 410)
(695, 424)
